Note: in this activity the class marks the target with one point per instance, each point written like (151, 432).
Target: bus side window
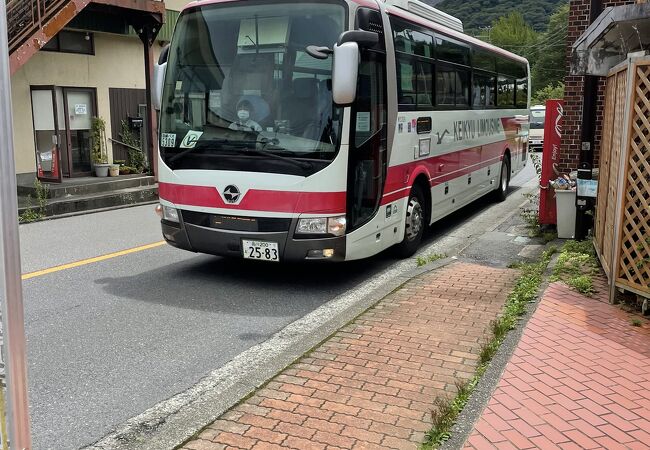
(506, 92)
(483, 90)
(368, 112)
(425, 85)
(406, 81)
(522, 93)
(490, 91)
(462, 87)
(445, 87)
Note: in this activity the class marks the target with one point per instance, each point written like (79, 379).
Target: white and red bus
(330, 129)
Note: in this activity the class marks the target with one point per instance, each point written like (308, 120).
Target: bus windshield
(241, 92)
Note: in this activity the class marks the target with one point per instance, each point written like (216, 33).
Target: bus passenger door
(368, 145)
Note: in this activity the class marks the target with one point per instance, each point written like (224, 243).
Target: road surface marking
(83, 262)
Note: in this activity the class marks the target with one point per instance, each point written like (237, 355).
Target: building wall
(579, 13)
(118, 63)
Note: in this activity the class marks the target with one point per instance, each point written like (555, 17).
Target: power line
(554, 40)
(546, 41)
(549, 37)
(556, 45)
(559, 39)
(550, 69)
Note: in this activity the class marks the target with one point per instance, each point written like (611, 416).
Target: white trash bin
(565, 202)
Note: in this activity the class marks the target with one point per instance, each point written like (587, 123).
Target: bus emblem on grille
(231, 193)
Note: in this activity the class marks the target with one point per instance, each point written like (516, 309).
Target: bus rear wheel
(501, 192)
(415, 223)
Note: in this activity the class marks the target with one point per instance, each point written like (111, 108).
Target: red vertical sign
(550, 158)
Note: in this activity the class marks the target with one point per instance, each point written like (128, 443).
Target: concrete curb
(90, 211)
(479, 399)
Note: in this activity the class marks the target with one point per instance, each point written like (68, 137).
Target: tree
(477, 14)
(550, 66)
(547, 93)
(512, 33)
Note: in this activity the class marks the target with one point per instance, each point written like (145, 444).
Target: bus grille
(236, 223)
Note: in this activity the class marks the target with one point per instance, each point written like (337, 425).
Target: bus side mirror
(158, 81)
(345, 72)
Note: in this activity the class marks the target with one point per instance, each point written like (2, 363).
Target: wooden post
(620, 190)
(147, 35)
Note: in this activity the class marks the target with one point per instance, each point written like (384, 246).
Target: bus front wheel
(415, 223)
(501, 192)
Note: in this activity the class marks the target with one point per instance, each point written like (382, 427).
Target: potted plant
(114, 170)
(121, 166)
(98, 149)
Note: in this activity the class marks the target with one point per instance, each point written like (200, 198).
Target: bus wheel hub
(413, 219)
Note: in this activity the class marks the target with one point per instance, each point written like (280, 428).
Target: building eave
(617, 32)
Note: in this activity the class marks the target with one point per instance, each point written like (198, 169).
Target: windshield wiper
(263, 152)
(243, 148)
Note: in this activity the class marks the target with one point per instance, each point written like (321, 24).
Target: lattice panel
(615, 158)
(604, 165)
(634, 262)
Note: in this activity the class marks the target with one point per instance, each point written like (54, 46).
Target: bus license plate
(264, 250)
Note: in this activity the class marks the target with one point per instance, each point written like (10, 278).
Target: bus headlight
(170, 214)
(322, 225)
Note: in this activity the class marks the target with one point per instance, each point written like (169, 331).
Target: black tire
(416, 214)
(501, 193)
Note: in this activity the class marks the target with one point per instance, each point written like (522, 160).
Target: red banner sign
(550, 158)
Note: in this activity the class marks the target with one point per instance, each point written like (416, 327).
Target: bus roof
(427, 12)
(367, 3)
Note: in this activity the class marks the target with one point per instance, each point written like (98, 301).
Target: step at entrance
(87, 195)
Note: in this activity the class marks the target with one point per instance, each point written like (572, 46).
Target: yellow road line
(83, 262)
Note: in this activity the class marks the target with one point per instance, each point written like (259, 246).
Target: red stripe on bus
(447, 166)
(404, 192)
(438, 169)
(256, 200)
(394, 196)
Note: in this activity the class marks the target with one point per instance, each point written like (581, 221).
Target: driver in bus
(244, 121)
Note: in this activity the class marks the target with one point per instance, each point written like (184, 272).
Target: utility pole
(487, 28)
(11, 290)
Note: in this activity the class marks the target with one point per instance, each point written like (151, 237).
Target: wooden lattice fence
(622, 225)
(609, 162)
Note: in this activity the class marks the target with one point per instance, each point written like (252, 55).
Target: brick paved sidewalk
(579, 378)
(373, 383)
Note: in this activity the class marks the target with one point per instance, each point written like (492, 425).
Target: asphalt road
(112, 338)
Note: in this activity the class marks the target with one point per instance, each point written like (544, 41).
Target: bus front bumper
(201, 239)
